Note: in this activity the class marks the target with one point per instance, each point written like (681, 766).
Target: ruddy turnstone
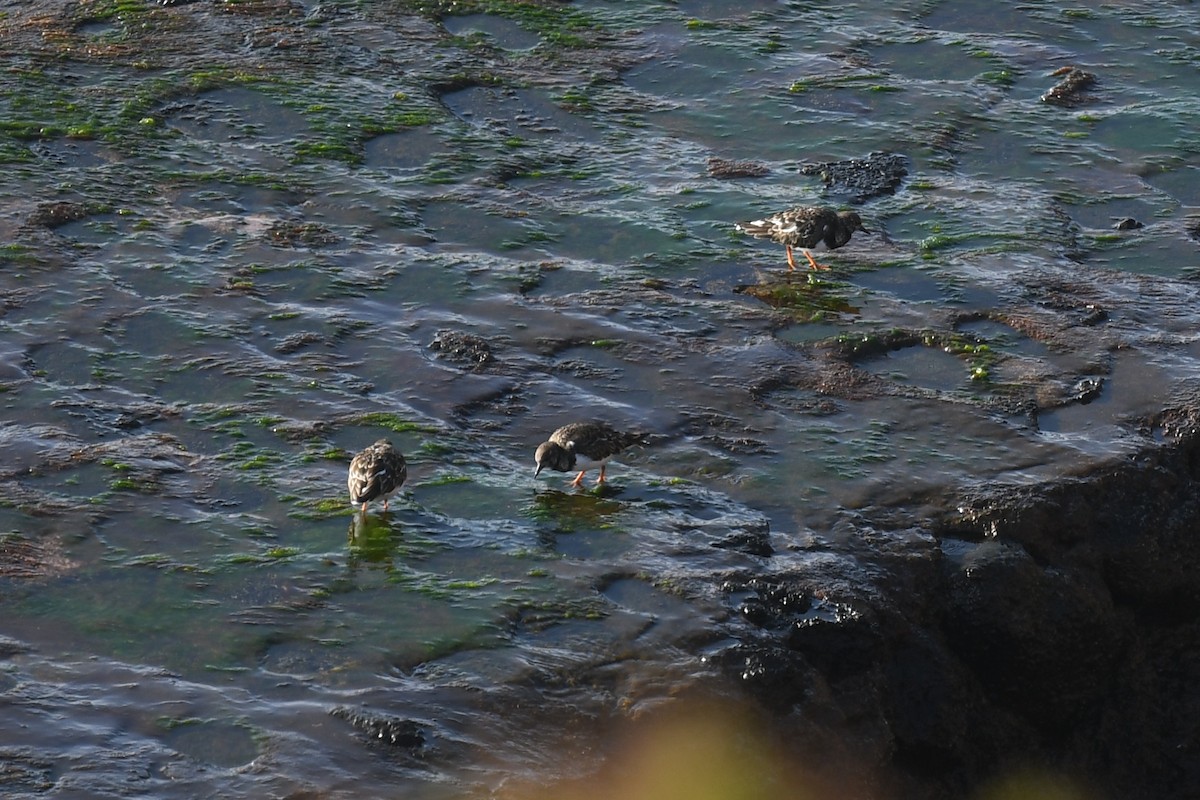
(805, 227)
(376, 472)
(584, 445)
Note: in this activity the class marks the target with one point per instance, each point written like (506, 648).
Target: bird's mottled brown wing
(376, 471)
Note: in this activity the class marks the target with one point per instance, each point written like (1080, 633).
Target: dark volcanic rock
(860, 179)
(300, 234)
(1042, 642)
(54, 215)
(383, 728)
(1070, 91)
(296, 341)
(466, 349)
(1192, 227)
(751, 542)
(1052, 624)
(724, 168)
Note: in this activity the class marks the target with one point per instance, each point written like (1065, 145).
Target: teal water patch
(219, 743)
(504, 33)
(931, 60)
(922, 366)
(407, 150)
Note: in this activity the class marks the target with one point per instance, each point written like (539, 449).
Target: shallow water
(187, 367)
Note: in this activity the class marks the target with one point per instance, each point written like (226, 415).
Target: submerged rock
(383, 728)
(54, 215)
(725, 168)
(465, 349)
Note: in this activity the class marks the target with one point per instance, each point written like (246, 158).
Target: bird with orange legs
(585, 445)
(805, 227)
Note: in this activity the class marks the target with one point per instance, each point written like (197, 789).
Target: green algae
(866, 81)
(978, 355)
(271, 555)
(316, 509)
(811, 300)
(447, 479)
(998, 77)
(558, 26)
(42, 107)
(392, 422)
(573, 511)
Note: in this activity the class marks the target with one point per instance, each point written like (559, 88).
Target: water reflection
(371, 539)
(571, 511)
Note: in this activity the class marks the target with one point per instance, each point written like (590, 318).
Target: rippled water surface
(260, 246)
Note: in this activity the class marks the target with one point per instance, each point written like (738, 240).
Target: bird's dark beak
(537, 471)
(863, 228)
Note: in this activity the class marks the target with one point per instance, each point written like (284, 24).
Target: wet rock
(1087, 390)
(296, 341)
(1007, 640)
(1128, 521)
(1127, 224)
(23, 773)
(1192, 227)
(490, 409)
(769, 672)
(54, 215)
(144, 463)
(466, 349)
(751, 542)
(754, 611)
(123, 416)
(808, 301)
(11, 647)
(776, 601)
(383, 728)
(1043, 641)
(24, 558)
(739, 445)
(300, 234)
(725, 169)
(1093, 314)
(1071, 90)
(860, 179)
(585, 370)
(1066, 299)
(839, 644)
(297, 430)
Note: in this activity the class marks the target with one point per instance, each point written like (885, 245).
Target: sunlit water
(231, 341)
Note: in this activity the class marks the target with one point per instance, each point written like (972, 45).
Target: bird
(584, 445)
(805, 227)
(376, 472)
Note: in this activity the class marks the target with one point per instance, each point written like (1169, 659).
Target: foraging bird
(584, 445)
(376, 472)
(805, 227)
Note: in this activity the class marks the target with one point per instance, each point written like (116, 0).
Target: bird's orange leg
(600, 480)
(792, 264)
(364, 508)
(813, 263)
(578, 479)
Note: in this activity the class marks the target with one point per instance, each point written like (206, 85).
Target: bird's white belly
(584, 462)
